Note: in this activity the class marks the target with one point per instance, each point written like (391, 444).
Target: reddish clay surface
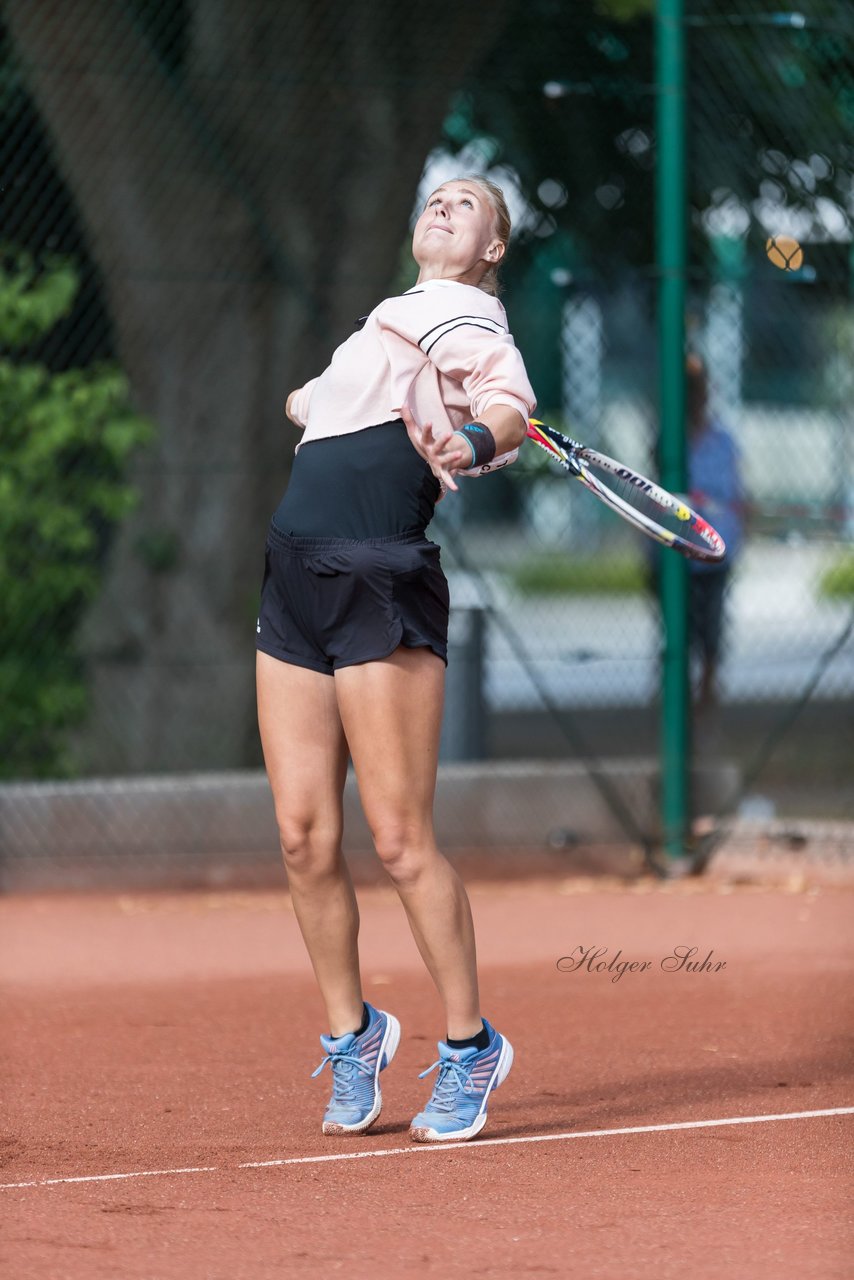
(166, 1032)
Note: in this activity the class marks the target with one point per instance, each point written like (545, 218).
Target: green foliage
(32, 299)
(64, 441)
(556, 575)
(837, 582)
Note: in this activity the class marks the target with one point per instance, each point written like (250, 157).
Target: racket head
(660, 515)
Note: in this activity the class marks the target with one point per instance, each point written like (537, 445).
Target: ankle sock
(479, 1042)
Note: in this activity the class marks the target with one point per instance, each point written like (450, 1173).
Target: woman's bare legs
(391, 711)
(306, 757)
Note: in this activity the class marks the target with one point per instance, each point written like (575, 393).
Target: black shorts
(333, 602)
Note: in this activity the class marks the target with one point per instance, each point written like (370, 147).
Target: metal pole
(671, 225)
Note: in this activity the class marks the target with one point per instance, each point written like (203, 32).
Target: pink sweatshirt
(442, 348)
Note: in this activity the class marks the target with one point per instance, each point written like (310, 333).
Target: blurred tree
(771, 104)
(566, 96)
(564, 104)
(244, 170)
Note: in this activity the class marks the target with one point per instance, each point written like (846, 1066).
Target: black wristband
(481, 440)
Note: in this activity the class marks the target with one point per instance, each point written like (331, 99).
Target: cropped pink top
(442, 348)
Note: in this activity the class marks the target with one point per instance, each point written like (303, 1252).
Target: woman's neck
(429, 272)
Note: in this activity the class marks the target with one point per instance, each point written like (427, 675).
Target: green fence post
(671, 224)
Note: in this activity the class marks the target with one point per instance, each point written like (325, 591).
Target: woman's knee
(309, 847)
(404, 850)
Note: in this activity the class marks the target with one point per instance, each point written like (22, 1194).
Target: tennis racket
(657, 513)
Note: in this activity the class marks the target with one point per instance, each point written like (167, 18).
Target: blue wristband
(480, 440)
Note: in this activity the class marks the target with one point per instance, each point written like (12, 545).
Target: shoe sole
(388, 1049)
(502, 1070)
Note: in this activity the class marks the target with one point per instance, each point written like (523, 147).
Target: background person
(714, 481)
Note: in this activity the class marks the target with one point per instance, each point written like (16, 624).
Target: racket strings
(640, 497)
(651, 509)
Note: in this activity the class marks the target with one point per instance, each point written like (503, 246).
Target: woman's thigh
(305, 751)
(392, 715)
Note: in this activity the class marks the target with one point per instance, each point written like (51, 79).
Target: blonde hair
(489, 281)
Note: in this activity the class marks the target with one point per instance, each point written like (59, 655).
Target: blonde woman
(352, 642)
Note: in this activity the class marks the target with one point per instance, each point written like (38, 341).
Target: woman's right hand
(444, 454)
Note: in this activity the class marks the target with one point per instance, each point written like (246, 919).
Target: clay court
(161, 1121)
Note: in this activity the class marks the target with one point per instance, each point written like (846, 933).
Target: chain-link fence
(205, 196)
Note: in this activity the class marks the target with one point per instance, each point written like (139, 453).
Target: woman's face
(454, 237)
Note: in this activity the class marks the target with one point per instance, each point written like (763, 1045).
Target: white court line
(422, 1148)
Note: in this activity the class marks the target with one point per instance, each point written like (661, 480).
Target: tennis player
(352, 642)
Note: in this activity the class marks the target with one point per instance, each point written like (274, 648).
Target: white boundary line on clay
(421, 1149)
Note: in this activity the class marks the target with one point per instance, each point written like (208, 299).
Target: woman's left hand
(442, 451)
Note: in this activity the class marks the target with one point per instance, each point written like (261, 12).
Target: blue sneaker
(457, 1109)
(356, 1063)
